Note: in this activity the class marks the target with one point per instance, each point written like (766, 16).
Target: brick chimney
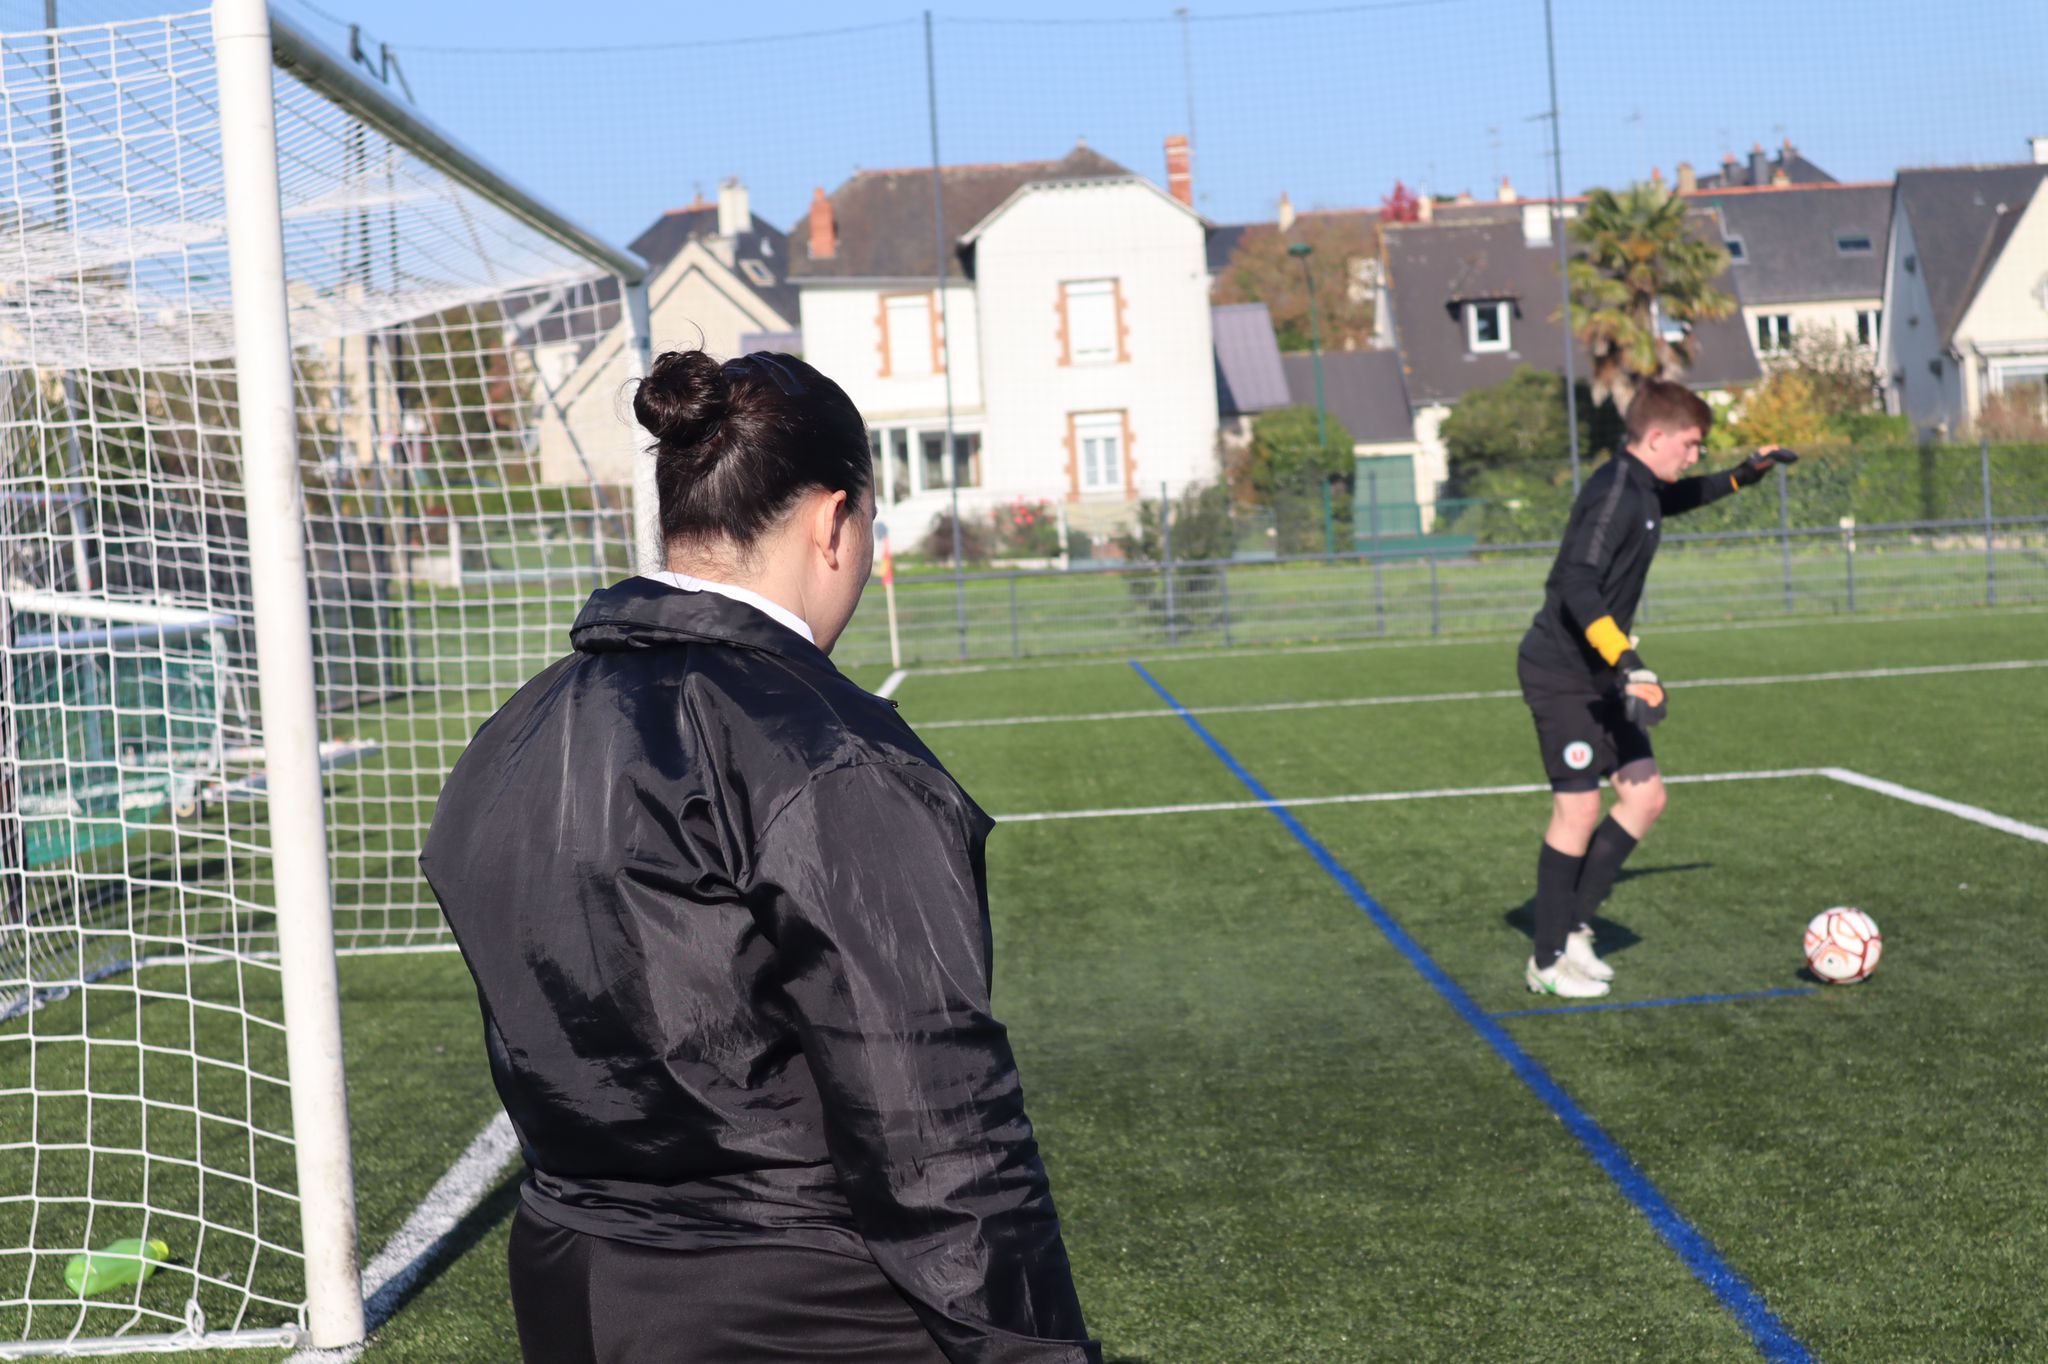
(1425, 209)
(1180, 174)
(1780, 177)
(1759, 165)
(1657, 176)
(1730, 167)
(2037, 150)
(824, 231)
(1688, 178)
(1507, 191)
(735, 215)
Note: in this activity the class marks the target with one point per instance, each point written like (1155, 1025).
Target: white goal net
(466, 481)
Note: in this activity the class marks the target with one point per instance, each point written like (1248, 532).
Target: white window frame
(1080, 296)
(1505, 312)
(1875, 325)
(1096, 476)
(757, 273)
(1773, 333)
(897, 306)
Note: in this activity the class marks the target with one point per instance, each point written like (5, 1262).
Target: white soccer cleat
(1561, 980)
(1578, 953)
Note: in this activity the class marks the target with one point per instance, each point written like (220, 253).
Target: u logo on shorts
(1578, 755)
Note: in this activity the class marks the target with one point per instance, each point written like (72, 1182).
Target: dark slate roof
(1363, 389)
(1223, 243)
(884, 218)
(762, 243)
(1961, 218)
(1248, 373)
(1432, 266)
(1788, 240)
(1798, 170)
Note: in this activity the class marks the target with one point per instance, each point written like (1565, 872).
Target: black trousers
(581, 1299)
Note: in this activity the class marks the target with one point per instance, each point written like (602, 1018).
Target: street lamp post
(1301, 251)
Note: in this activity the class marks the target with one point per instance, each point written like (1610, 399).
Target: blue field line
(1660, 1003)
(1770, 1335)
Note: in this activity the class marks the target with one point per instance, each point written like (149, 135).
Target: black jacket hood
(640, 613)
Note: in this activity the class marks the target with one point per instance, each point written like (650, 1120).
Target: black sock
(1610, 848)
(1556, 875)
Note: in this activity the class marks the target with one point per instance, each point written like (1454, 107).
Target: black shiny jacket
(728, 922)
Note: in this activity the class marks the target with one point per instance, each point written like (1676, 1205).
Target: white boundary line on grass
(1111, 658)
(1499, 694)
(1375, 797)
(891, 683)
(408, 1254)
(1976, 814)
(2004, 824)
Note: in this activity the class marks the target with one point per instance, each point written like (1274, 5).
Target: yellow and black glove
(1753, 469)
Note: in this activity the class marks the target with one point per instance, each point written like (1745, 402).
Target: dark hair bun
(684, 399)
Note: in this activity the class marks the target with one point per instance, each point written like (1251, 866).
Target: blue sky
(617, 109)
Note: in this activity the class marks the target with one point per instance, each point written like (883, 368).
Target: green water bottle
(111, 1267)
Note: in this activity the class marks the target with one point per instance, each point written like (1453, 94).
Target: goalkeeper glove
(1642, 695)
(1753, 469)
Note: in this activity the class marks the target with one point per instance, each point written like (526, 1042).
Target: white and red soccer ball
(1843, 945)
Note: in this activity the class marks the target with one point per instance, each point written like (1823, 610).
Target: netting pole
(1785, 535)
(1990, 547)
(284, 647)
(648, 551)
(1166, 560)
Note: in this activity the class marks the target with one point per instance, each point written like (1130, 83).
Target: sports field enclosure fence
(287, 504)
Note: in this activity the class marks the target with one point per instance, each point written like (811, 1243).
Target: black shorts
(1584, 733)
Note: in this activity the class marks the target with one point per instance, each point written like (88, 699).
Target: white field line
(2033, 833)
(891, 683)
(1113, 659)
(409, 1253)
(1375, 797)
(1500, 694)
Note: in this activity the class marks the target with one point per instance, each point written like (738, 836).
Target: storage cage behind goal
(311, 443)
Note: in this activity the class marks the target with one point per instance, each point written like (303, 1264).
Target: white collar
(781, 615)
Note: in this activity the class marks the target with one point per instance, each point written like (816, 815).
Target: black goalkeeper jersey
(1615, 527)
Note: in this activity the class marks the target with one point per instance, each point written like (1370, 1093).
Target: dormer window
(757, 273)
(1489, 326)
(1737, 248)
(1853, 243)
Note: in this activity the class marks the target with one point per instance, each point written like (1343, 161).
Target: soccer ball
(1843, 945)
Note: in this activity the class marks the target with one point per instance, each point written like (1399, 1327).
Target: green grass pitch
(1270, 1139)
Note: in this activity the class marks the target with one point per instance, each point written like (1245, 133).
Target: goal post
(312, 441)
(266, 404)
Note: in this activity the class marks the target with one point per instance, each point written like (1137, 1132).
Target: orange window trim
(1066, 336)
(1130, 461)
(938, 336)
(1123, 326)
(882, 332)
(1073, 461)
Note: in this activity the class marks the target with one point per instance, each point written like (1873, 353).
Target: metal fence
(1423, 591)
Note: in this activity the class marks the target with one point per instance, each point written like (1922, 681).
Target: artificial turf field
(1271, 1137)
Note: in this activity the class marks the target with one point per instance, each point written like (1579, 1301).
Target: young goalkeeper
(1593, 699)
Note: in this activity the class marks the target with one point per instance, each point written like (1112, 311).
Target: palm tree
(1639, 270)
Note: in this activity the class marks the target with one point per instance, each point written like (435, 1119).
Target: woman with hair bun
(728, 922)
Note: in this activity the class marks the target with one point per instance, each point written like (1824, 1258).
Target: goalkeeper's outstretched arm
(1686, 494)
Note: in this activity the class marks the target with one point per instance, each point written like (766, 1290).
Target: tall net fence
(465, 481)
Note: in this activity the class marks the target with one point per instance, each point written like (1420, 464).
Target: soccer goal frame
(258, 728)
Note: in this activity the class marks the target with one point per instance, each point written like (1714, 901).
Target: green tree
(1640, 267)
(1517, 424)
(1284, 455)
(1261, 271)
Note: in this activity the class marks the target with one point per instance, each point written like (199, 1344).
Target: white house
(1966, 290)
(719, 280)
(1080, 368)
(1808, 260)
